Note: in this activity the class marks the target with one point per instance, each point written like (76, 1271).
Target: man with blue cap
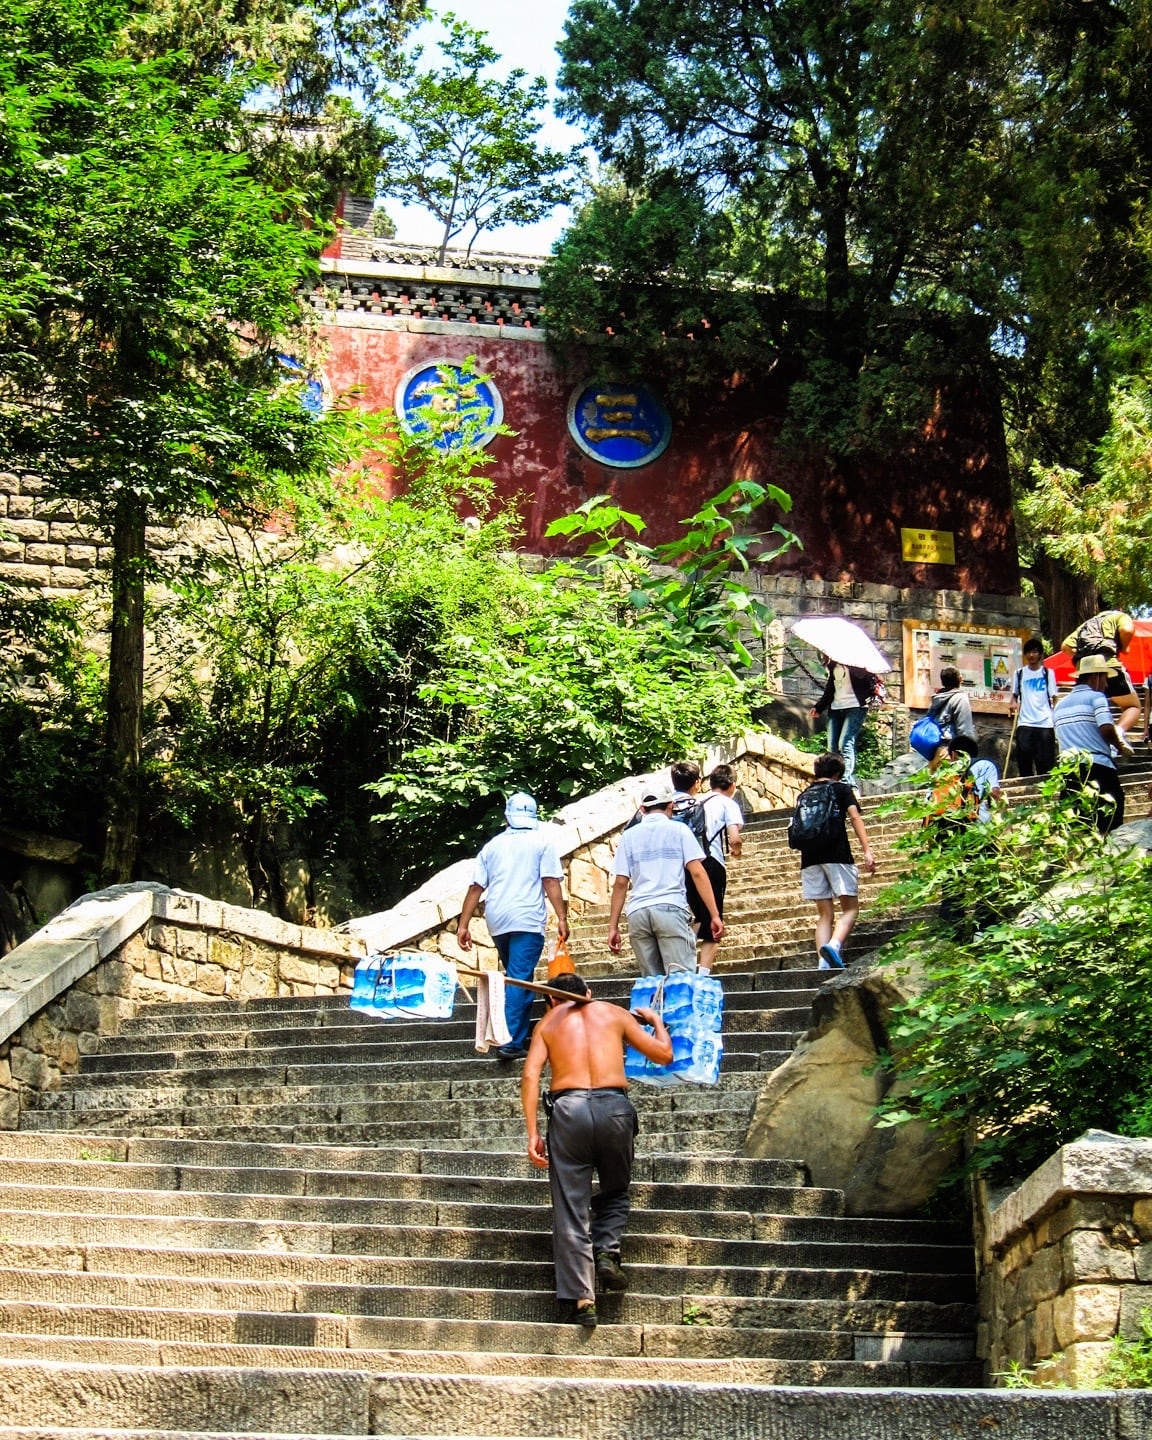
(514, 873)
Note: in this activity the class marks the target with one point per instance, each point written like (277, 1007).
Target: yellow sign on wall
(929, 547)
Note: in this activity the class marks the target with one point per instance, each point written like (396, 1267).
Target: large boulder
(819, 1106)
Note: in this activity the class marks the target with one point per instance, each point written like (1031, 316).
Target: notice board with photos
(986, 659)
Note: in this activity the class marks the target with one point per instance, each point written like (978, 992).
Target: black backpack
(817, 819)
(695, 816)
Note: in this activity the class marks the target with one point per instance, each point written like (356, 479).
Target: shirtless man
(591, 1127)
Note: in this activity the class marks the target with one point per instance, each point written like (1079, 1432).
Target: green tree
(465, 145)
(852, 153)
(1036, 1023)
(152, 277)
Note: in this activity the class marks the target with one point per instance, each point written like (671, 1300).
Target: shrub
(1037, 1020)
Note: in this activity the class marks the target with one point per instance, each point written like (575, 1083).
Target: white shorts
(825, 882)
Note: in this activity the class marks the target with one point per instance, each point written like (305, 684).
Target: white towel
(491, 1026)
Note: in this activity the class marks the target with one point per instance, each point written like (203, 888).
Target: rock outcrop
(821, 1102)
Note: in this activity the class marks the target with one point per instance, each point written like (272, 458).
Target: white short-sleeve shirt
(511, 870)
(653, 855)
(720, 811)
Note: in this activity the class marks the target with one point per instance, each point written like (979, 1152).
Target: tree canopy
(152, 274)
(463, 143)
(876, 197)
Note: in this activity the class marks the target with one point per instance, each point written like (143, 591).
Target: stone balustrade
(1066, 1261)
(113, 952)
(120, 949)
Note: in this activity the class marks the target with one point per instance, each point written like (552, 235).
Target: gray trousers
(590, 1130)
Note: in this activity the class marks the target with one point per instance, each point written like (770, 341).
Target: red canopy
(1137, 659)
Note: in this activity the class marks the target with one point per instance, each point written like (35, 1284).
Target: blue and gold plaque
(445, 401)
(620, 425)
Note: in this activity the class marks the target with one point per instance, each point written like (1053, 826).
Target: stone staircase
(274, 1217)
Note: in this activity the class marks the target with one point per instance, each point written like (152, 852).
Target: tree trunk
(125, 693)
(1068, 599)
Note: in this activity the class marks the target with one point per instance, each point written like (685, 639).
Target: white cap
(520, 811)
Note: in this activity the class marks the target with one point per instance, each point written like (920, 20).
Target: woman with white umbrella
(853, 663)
(845, 697)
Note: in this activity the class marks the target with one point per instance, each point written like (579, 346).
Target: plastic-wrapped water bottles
(692, 1007)
(407, 986)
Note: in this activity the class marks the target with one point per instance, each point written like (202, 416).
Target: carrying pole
(527, 985)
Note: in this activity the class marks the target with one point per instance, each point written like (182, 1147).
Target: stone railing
(1066, 1261)
(770, 774)
(120, 949)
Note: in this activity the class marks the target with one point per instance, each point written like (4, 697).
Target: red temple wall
(953, 477)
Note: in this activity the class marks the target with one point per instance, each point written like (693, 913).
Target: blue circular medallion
(314, 396)
(620, 425)
(453, 407)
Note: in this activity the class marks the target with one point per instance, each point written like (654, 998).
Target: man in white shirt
(1033, 695)
(723, 822)
(514, 872)
(652, 858)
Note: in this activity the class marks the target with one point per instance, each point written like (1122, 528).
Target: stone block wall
(1066, 1262)
(115, 952)
(881, 610)
(43, 542)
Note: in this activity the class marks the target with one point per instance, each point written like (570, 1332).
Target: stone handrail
(119, 949)
(112, 952)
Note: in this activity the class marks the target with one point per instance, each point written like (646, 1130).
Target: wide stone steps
(186, 1400)
(281, 1217)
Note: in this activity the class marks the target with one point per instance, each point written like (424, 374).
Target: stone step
(301, 1103)
(658, 1168)
(286, 1402)
(338, 1317)
(50, 1175)
(554, 1351)
(657, 1237)
(791, 990)
(334, 1009)
(160, 1269)
(217, 1076)
(376, 1038)
(501, 1203)
(412, 1120)
(713, 1141)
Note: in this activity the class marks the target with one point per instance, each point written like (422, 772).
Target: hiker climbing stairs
(274, 1187)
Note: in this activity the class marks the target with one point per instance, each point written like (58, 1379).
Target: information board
(986, 659)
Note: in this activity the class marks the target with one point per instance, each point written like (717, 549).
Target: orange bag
(561, 962)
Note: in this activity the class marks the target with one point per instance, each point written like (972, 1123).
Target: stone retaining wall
(120, 949)
(769, 771)
(1066, 1261)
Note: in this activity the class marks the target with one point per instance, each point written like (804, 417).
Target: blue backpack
(926, 737)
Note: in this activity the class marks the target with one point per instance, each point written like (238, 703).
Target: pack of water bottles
(415, 986)
(692, 1007)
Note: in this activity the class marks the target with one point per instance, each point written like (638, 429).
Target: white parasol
(842, 641)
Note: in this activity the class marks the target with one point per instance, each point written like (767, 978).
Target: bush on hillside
(1037, 1021)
